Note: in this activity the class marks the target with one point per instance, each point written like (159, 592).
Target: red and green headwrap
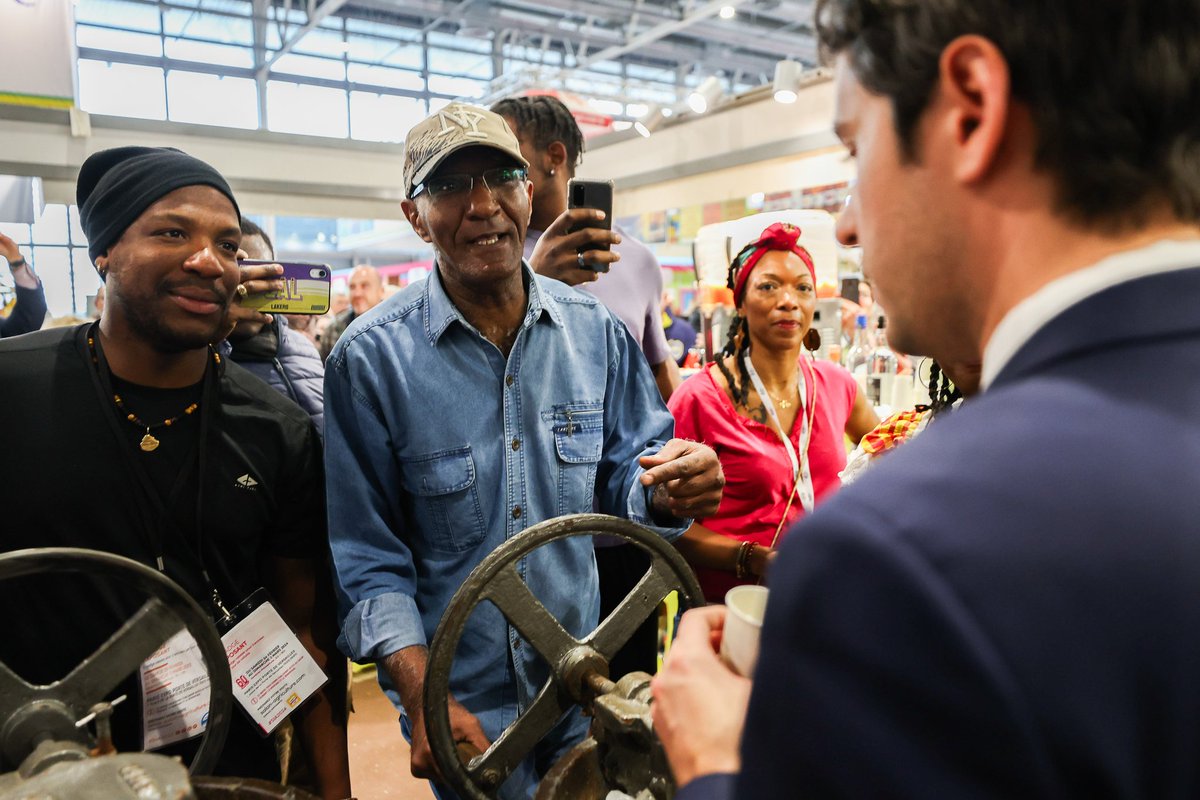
(779, 236)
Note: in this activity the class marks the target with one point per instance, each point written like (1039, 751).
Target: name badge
(272, 674)
(272, 671)
(174, 688)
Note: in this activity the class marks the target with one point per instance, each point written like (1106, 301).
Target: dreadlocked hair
(942, 391)
(545, 120)
(737, 343)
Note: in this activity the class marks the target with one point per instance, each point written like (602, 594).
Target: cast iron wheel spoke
(12, 686)
(527, 614)
(123, 653)
(574, 665)
(642, 599)
(519, 739)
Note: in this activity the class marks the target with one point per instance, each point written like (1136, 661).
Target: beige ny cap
(455, 127)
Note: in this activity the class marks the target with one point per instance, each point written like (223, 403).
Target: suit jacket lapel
(1154, 307)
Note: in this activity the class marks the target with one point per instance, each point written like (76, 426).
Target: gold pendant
(785, 404)
(149, 443)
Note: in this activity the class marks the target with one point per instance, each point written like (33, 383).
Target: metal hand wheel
(578, 668)
(29, 714)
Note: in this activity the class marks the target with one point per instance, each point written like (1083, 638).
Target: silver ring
(582, 263)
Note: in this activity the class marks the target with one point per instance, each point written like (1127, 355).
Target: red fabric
(779, 236)
(758, 474)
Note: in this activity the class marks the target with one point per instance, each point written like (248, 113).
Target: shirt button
(516, 444)
(509, 379)
(516, 512)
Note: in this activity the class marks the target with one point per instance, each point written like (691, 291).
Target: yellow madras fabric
(893, 431)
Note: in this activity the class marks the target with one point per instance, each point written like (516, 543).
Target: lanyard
(801, 477)
(102, 382)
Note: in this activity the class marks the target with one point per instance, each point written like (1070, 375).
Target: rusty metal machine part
(578, 668)
(33, 716)
(126, 776)
(621, 753)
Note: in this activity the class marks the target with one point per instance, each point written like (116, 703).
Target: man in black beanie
(136, 438)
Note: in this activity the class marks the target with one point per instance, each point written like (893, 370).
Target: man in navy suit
(1010, 605)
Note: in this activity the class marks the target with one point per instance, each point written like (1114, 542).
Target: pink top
(758, 473)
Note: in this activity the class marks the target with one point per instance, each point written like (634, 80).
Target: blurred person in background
(28, 312)
(681, 336)
(948, 387)
(266, 345)
(366, 292)
(776, 417)
(98, 301)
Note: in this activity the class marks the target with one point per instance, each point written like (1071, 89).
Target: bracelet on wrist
(17, 263)
(741, 566)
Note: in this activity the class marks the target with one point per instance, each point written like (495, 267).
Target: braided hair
(942, 391)
(545, 120)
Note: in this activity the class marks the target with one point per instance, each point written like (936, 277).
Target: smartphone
(305, 289)
(592, 194)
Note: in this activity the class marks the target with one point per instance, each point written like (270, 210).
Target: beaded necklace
(149, 442)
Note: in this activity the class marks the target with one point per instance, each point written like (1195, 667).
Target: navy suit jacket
(1009, 606)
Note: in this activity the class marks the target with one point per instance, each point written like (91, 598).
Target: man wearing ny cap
(136, 438)
(466, 408)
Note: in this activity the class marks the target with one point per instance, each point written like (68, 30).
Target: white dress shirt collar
(1031, 314)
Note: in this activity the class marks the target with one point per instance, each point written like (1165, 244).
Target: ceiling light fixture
(788, 76)
(706, 95)
(651, 121)
(727, 12)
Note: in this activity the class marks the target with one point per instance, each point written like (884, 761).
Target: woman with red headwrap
(775, 417)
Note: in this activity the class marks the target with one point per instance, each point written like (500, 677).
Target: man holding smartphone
(474, 404)
(553, 145)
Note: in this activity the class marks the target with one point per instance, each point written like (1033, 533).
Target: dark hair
(546, 120)
(249, 228)
(1113, 87)
(943, 394)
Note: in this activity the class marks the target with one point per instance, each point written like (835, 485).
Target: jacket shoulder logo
(246, 482)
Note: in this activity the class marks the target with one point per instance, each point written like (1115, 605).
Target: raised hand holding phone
(577, 236)
(299, 289)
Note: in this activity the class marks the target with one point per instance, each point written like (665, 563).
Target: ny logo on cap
(466, 120)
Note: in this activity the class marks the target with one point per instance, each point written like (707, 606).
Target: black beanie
(115, 186)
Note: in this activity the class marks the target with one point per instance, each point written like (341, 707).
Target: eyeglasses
(499, 181)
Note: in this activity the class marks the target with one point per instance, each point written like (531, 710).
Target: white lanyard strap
(801, 476)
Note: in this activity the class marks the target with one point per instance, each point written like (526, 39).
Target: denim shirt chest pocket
(446, 498)
(578, 430)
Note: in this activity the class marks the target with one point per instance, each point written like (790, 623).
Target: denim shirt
(438, 449)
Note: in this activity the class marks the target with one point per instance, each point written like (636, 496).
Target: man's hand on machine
(406, 668)
(686, 477)
(466, 730)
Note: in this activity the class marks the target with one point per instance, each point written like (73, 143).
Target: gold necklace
(781, 402)
(149, 443)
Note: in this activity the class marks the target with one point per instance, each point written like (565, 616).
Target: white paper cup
(745, 607)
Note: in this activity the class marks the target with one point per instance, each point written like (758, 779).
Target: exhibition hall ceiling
(642, 42)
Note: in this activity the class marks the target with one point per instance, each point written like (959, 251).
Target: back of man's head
(544, 120)
(256, 242)
(1113, 87)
